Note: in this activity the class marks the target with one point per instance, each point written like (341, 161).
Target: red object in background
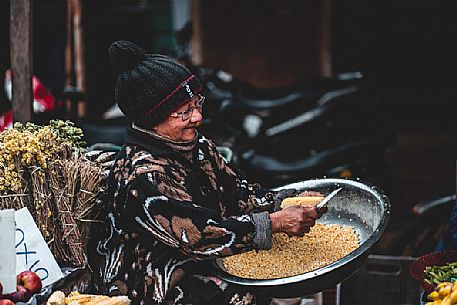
(6, 120)
(43, 100)
(431, 259)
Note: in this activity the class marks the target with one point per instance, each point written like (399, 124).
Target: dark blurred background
(406, 47)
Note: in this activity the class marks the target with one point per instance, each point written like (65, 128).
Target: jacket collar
(153, 145)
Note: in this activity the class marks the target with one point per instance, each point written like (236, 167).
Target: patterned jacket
(167, 216)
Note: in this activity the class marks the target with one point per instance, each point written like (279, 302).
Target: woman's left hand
(322, 210)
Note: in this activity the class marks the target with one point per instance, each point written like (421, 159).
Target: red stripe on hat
(173, 92)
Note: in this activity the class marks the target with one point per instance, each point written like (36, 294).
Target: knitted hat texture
(149, 87)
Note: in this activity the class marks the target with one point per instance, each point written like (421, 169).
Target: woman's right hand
(294, 220)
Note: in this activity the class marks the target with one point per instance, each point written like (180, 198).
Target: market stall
(51, 192)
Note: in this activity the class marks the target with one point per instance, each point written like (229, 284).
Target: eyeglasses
(185, 115)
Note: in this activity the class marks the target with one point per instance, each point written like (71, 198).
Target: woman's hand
(320, 211)
(295, 220)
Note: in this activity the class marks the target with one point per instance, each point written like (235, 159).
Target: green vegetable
(439, 274)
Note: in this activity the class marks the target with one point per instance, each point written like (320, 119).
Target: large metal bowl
(359, 205)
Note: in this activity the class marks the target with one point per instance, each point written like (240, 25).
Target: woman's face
(181, 125)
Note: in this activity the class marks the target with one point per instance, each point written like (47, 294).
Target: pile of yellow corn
(445, 293)
(76, 298)
(289, 256)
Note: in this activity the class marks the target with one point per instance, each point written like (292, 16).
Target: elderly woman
(174, 203)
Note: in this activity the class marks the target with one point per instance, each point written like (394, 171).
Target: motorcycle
(322, 127)
(425, 228)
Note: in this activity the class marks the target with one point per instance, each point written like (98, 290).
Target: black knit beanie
(149, 86)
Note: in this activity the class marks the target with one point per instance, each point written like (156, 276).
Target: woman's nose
(196, 116)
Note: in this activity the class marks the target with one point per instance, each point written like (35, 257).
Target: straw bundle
(44, 169)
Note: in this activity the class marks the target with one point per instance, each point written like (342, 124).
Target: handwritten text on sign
(32, 252)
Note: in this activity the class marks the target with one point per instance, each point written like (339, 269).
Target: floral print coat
(168, 216)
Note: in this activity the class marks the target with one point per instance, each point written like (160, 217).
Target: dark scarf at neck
(184, 148)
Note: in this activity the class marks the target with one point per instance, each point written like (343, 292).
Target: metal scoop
(327, 198)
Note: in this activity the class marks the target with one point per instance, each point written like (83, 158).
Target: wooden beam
(69, 66)
(21, 60)
(325, 39)
(196, 51)
(78, 43)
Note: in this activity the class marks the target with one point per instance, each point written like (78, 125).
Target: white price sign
(7, 251)
(32, 252)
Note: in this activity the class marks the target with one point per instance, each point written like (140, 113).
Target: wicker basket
(431, 259)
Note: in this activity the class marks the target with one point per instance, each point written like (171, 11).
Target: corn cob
(76, 298)
(97, 299)
(56, 298)
(80, 299)
(73, 293)
(303, 201)
(117, 300)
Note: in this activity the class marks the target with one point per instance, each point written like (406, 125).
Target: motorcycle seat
(267, 161)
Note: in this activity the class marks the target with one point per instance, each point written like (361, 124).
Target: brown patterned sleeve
(251, 197)
(197, 231)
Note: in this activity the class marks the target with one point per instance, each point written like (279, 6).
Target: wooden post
(325, 39)
(78, 44)
(21, 60)
(69, 67)
(197, 35)
(70, 112)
